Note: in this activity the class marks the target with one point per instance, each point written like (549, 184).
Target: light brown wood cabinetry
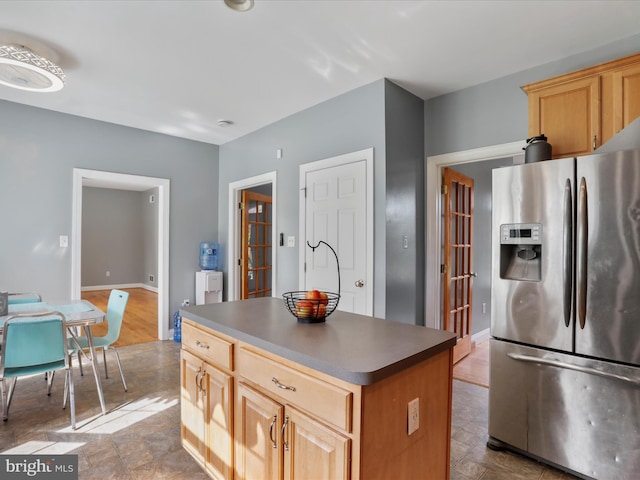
(287, 421)
(580, 111)
(206, 396)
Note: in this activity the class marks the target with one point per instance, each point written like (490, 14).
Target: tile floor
(140, 436)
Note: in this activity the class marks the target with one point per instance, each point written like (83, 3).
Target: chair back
(115, 313)
(33, 343)
(27, 297)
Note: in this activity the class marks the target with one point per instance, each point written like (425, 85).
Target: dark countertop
(358, 349)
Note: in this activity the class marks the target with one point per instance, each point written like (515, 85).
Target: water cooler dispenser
(208, 287)
(208, 280)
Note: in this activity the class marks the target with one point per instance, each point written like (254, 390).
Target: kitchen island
(266, 397)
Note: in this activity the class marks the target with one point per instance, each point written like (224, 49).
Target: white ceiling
(177, 67)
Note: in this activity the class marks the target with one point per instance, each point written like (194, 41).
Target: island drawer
(207, 346)
(328, 402)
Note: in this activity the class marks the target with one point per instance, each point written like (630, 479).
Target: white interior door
(335, 211)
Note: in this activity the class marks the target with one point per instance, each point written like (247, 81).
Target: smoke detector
(239, 5)
(25, 70)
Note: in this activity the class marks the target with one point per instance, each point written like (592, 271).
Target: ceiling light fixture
(225, 123)
(21, 68)
(239, 5)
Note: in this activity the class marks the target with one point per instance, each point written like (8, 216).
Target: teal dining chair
(115, 313)
(34, 344)
(23, 297)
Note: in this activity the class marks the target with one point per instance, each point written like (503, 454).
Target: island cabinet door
(313, 450)
(192, 406)
(218, 398)
(258, 433)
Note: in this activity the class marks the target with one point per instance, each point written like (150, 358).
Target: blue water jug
(208, 255)
(177, 326)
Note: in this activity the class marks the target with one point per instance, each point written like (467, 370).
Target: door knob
(473, 274)
(359, 283)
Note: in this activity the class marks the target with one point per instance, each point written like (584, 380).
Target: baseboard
(481, 336)
(119, 286)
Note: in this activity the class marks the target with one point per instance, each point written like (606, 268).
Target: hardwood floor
(140, 323)
(474, 368)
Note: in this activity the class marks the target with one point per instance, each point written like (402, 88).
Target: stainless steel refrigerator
(565, 320)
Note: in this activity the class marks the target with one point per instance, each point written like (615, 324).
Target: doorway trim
(435, 164)
(96, 178)
(233, 252)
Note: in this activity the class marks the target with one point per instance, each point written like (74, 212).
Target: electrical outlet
(108, 274)
(414, 416)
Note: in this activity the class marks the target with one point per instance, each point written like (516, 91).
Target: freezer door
(608, 256)
(534, 311)
(569, 411)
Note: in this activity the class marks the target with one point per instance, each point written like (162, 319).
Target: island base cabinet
(276, 442)
(258, 423)
(313, 450)
(206, 409)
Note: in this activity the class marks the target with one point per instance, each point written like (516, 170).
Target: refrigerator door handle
(567, 254)
(581, 252)
(578, 368)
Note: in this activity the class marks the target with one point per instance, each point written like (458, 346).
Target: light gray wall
(38, 151)
(112, 237)
(405, 213)
(497, 112)
(119, 235)
(347, 123)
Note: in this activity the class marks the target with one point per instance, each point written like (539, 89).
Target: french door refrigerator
(565, 320)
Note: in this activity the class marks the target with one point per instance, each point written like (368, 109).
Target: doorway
(435, 166)
(234, 252)
(95, 178)
(336, 206)
(256, 210)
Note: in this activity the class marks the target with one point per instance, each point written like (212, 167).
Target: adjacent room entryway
(140, 322)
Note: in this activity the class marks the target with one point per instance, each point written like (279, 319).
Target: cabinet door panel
(191, 406)
(219, 414)
(569, 115)
(314, 450)
(627, 96)
(258, 435)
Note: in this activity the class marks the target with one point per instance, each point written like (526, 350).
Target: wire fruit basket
(313, 306)
(310, 310)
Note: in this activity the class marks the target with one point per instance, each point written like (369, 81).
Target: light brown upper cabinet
(581, 110)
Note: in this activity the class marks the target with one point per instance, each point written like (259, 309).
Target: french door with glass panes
(256, 245)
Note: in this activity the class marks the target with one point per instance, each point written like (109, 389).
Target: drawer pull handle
(273, 424)
(202, 345)
(284, 387)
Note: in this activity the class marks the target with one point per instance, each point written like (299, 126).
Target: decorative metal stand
(311, 310)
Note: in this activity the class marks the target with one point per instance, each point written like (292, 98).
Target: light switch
(64, 241)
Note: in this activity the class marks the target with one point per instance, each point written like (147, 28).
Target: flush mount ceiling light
(239, 5)
(21, 68)
(224, 123)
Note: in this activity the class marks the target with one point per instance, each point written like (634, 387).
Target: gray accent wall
(405, 213)
(347, 123)
(38, 151)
